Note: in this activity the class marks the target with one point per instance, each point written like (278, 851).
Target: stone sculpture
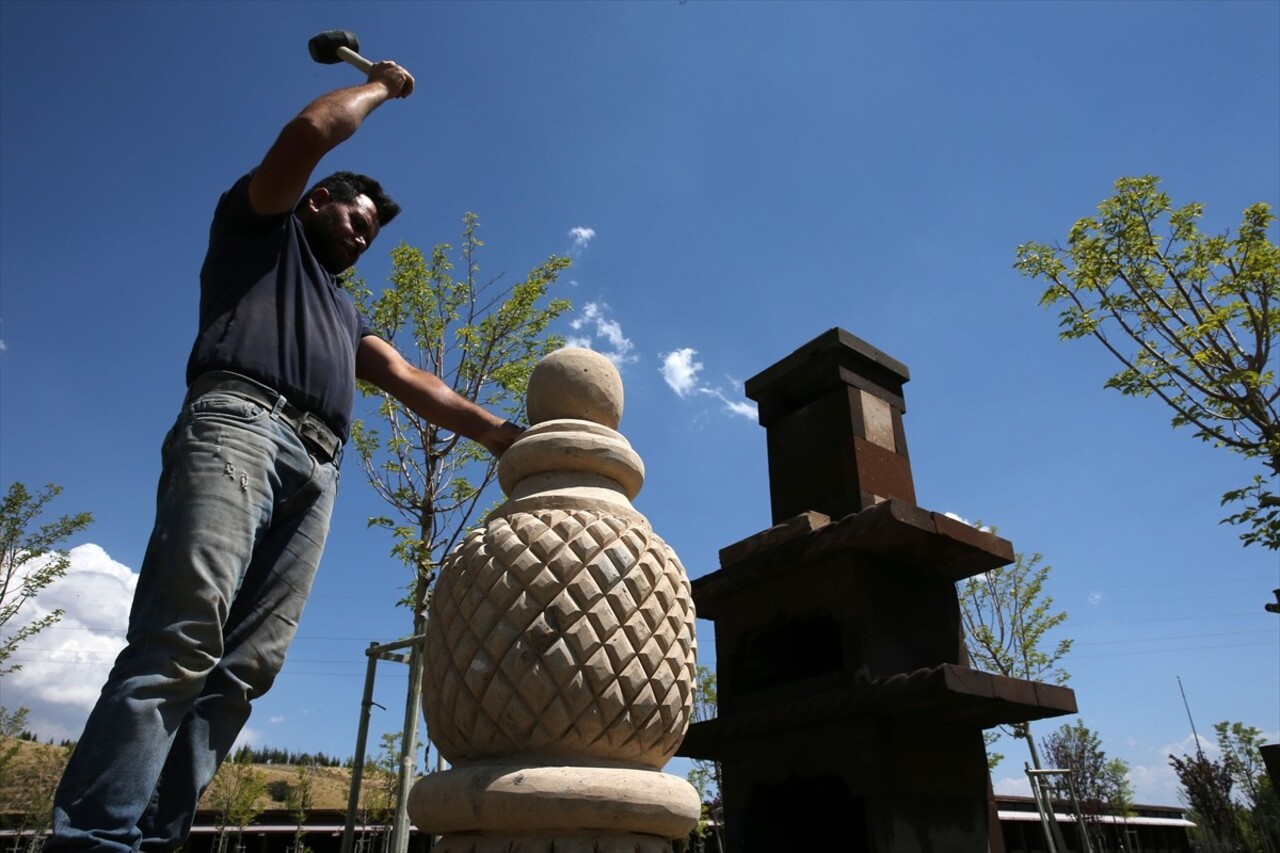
(560, 650)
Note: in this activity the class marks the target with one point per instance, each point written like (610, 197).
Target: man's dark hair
(346, 186)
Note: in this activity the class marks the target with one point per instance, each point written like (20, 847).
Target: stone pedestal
(845, 702)
(560, 652)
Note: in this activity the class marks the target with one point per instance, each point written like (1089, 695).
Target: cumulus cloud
(975, 525)
(1158, 782)
(1012, 786)
(64, 666)
(602, 334)
(680, 371)
(1095, 598)
(581, 237)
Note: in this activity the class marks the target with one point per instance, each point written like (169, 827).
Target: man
(250, 473)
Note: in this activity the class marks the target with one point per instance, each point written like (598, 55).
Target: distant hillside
(28, 782)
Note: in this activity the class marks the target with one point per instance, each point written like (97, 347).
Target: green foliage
(705, 775)
(1101, 784)
(378, 787)
(12, 724)
(1007, 618)
(27, 786)
(1258, 816)
(1207, 786)
(483, 340)
(1191, 317)
(236, 791)
(30, 560)
(299, 802)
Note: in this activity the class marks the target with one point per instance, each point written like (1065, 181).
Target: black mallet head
(333, 46)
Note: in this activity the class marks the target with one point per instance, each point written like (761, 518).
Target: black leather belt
(313, 431)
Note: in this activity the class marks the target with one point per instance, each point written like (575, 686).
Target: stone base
(469, 843)
(510, 807)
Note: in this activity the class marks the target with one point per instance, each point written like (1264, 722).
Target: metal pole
(408, 746)
(357, 769)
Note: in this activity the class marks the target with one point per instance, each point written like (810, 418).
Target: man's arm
(323, 125)
(379, 362)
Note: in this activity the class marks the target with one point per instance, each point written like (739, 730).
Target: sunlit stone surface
(560, 646)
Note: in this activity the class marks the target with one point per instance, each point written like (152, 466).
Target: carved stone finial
(575, 383)
(560, 650)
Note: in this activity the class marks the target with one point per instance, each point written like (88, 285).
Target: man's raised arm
(322, 125)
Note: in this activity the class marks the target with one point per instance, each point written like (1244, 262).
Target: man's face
(339, 232)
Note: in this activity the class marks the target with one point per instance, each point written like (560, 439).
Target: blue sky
(752, 174)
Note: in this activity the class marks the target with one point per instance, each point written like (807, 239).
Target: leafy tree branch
(1193, 319)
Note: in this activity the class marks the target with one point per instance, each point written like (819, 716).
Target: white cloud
(680, 370)
(984, 528)
(249, 736)
(64, 667)
(601, 329)
(1158, 782)
(276, 720)
(1095, 598)
(581, 237)
(1012, 786)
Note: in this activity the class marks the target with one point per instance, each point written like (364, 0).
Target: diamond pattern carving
(561, 632)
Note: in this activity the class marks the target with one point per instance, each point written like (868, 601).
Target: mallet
(334, 46)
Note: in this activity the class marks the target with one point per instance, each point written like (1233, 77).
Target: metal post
(357, 769)
(376, 653)
(408, 747)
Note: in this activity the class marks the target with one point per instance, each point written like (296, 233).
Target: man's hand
(398, 81)
(497, 439)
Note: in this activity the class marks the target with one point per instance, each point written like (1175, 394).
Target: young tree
(1101, 784)
(1007, 617)
(29, 561)
(235, 795)
(482, 339)
(705, 775)
(1242, 759)
(1191, 317)
(1207, 787)
(299, 802)
(12, 724)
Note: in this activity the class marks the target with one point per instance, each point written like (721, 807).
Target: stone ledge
(946, 694)
(893, 530)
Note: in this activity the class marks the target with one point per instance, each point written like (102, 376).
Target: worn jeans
(241, 517)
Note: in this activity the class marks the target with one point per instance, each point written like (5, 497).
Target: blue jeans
(242, 513)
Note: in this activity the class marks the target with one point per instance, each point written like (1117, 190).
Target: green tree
(480, 337)
(1206, 784)
(1007, 618)
(12, 724)
(235, 794)
(299, 802)
(1101, 784)
(1259, 820)
(30, 560)
(1191, 317)
(705, 776)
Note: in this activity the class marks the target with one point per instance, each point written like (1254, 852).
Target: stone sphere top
(575, 383)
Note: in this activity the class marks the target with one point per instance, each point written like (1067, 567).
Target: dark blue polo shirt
(270, 311)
